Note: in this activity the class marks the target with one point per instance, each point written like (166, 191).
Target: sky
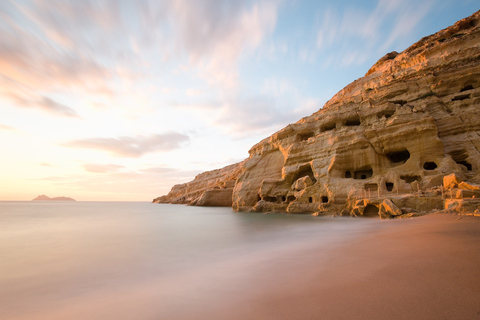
(112, 100)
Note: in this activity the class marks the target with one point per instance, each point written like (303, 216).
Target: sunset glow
(120, 100)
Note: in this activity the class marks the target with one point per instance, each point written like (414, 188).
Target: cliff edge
(381, 146)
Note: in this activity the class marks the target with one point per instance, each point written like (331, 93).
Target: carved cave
(399, 157)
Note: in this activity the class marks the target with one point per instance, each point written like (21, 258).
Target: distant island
(44, 197)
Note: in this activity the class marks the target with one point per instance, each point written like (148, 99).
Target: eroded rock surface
(211, 188)
(394, 134)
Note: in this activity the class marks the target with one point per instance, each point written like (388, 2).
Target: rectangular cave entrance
(324, 199)
(328, 127)
(352, 122)
(410, 178)
(371, 187)
(363, 174)
(389, 186)
(371, 211)
(270, 199)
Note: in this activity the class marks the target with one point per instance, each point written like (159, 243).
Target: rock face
(211, 188)
(381, 146)
(45, 198)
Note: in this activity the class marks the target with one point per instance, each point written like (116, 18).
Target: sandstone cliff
(211, 188)
(385, 138)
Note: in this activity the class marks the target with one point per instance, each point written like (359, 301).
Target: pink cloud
(132, 146)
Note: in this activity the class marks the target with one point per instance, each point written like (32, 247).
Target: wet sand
(420, 268)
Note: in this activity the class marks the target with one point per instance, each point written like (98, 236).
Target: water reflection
(114, 260)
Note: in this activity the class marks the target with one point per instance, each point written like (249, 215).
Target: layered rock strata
(378, 146)
(211, 188)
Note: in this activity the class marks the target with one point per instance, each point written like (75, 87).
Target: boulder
(390, 209)
(462, 205)
(216, 198)
(451, 181)
(467, 186)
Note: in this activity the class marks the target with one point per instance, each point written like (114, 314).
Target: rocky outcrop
(461, 196)
(211, 188)
(381, 146)
(45, 198)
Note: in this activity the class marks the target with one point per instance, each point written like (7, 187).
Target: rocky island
(400, 141)
(45, 198)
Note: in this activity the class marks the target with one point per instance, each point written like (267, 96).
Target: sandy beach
(421, 268)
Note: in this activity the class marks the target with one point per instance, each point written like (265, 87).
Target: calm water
(126, 260)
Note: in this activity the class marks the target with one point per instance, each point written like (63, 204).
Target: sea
(138, 260)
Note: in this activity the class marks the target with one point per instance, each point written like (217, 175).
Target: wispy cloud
(261, 115)
(132, 146)
(214, 34)
(257, 115)
(55, 107)
(94, 47)
(354, 35)
(46, 164)
(20, 95)
(102, 168)
(6, 128)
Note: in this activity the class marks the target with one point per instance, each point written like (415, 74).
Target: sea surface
(134, 260)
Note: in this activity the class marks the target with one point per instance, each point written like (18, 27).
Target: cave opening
(399, 157)
(270, 199)
(348, 174)
(460, 157)
(310, 199)
(410, 178)
(389, 186)
(461, 97)
(370, 211)
(352, 122)
(305, 170)
(283, 198)
(291, 198)
(328, 127)
(430, 165)
(466, 164)
(466, 88)
(324, 199)
(389, 114)
(305, 136)
(363, 174)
